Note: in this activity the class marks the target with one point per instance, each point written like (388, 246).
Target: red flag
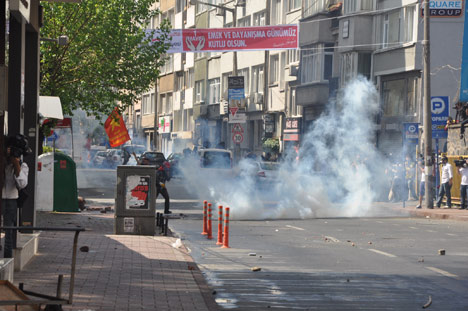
(116, 129)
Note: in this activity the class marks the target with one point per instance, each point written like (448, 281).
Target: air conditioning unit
(219, 12)
(258, 98)
(173, 135)
(293, 70)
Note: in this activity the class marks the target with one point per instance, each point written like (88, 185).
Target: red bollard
(205, 211)
(220, 225)
(226, 229)
(210, 227)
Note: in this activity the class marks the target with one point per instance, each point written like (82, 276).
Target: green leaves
(106, 59)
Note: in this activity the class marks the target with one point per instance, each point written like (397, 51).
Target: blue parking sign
(440, 114)
(411, 134)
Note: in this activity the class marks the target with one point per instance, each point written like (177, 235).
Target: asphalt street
(329, 264)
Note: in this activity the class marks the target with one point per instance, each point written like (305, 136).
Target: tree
(109, 57)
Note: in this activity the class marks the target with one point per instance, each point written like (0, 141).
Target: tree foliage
(108, 58)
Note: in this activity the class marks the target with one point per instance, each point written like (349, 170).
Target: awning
(50, 107)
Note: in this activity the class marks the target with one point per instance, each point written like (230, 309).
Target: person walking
(15, 179)
(445, 183)
(463, 172)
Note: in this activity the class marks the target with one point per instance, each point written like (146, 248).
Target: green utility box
(65, 184)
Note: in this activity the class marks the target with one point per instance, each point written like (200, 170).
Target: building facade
(287, 90)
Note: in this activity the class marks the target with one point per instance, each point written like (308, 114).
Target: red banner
(116, 129)
(236, 39)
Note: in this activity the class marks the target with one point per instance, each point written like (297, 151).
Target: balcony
(200, 110)
(312, 94)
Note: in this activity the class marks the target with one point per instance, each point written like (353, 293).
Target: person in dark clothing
(464, 120)
(161, 179)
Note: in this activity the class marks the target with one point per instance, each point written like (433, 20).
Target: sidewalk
(454, 213)
(119, 272)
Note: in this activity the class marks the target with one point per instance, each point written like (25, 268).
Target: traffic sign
(237, 138)
(237, 128)
(233, 110)
(440, 114)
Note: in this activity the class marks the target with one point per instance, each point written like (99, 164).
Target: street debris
(428, 303)
(81, 203)
(442, 252)
(252, 254)
(421, 259)
(255, 269)
(177, 244)
(347, 280)
(369, 242)
(352, 244)
(84, 249)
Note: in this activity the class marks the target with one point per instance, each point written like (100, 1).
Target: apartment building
(286, 90)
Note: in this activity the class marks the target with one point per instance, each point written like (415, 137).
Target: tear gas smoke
(337, 171)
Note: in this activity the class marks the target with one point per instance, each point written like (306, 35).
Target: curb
(435, 215)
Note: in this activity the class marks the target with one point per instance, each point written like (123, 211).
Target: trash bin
(65, 185)
(135, 202)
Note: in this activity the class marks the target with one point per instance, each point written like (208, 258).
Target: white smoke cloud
(338, 173)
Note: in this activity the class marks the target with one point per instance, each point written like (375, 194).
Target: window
(225, 85)
(199, 91)
(169, 15)
(274, 69)
(398, 26)
(347, 67)
(244, 22)
(276, 12)
(245, 73)
(179, 82)
(153, 103)
(294, 4)
(293, 56)
(214, 86)
(190, 78)
(351, 6)
(258, 79)
(316, 62)
(138, 121)
(259, 19)
(180, 5)
(400, 96)
(169, 103)
(312, 7)
(409, 21)
(146, 104)
(168, 64)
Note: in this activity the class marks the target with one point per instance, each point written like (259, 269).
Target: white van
(215, 158)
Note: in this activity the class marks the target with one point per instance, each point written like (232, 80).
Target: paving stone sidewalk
(119, 272)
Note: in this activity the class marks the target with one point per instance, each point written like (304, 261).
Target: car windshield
(269, 166)
(101, 154)
(154, 156)
(215, 159)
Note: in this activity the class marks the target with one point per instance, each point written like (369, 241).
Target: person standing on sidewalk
(445, 183)
(16, 178)
(463, 171)
(422, 184)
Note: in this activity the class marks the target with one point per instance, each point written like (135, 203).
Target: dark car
(174, 160)
(152, 158)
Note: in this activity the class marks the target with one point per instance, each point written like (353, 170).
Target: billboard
(277, 37)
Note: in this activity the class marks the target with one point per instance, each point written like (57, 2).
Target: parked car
(114, 157)
(100, 159)
(152, 158)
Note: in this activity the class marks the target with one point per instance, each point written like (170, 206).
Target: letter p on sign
(437, 105)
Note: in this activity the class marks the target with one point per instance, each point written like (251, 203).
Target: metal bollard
(205, 207)
(220, 225)
(210, 227)
(226, 229)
